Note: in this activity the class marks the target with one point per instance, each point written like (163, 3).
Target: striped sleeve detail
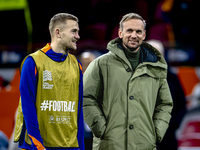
(37, 143)
(35, 70)
(81, 67)
(46, 48)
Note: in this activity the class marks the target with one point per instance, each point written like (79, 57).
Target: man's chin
(72, 48)
(133, 48)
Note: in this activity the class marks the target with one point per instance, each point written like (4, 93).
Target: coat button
(131, 97)
(131, 127)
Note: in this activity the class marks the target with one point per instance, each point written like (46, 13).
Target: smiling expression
(70, 35)
(132, 34)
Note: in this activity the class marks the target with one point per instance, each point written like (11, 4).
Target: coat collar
(149, 54)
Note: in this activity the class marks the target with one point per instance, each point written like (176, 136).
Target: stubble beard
(132, 48)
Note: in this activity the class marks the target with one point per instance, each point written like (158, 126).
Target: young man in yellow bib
(50, 110)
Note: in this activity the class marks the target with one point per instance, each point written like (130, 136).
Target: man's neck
(55, 47)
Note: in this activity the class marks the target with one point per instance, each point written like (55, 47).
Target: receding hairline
(129, 17)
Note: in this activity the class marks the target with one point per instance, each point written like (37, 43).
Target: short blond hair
(129, 17)
(60, 18)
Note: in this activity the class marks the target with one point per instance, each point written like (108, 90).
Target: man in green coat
(127, 102)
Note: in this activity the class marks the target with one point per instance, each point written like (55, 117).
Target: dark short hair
(60, 18)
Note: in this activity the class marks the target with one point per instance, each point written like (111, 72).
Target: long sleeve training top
(28, 91)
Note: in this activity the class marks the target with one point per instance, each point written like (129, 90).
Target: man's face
(133, 34)
(69, 35)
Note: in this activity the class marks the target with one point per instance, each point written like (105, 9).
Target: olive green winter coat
(125, 109)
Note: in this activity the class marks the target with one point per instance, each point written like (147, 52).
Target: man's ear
(120, 33)
(144, 36)
(57, 33)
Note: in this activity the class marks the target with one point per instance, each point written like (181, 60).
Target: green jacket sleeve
(163, 110)
(92, 99)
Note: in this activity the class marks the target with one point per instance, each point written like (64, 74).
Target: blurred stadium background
(24, 29)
